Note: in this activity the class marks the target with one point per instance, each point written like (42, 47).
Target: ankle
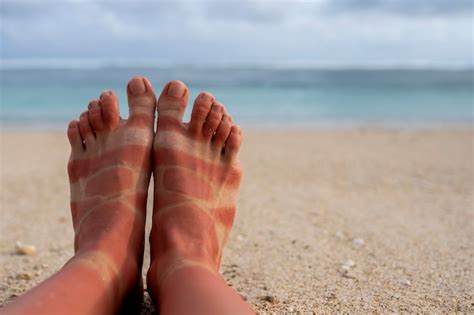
(163, 270)
(166, 264)
(185, 234)
(194, 289)
(120, 278)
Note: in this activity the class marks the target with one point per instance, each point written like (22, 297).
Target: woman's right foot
(197, 176)
(109, 172)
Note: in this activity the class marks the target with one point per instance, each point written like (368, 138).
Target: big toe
(141, 101)
(172, 101)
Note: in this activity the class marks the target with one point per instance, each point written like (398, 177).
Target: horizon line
(98, 63)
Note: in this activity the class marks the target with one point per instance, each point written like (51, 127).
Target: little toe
(232, 145)
(141, 102)
(95, 116)
(74, 136)
(213, 120)
(172, 102)
(201, 108)
(86, 129)
(223, 131)
(110, 110)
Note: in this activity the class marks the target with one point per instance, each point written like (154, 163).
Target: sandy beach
(354, 220)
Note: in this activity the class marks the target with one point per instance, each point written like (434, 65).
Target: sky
(319, 32)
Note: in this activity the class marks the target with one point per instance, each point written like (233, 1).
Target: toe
(95, 116)
(172, 102)
(141, 101)
(93, 104)
(223, 131)
(232, 145)
(74, 136)
(213, 120)
(86, 129)
(201, 108)
(109, 110)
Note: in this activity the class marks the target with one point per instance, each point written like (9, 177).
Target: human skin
(109, 172)
(197, 176)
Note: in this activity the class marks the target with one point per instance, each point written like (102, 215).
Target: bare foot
(109, 172)
(197, 177)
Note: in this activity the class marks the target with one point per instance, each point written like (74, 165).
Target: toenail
(176, 89)
(216, 108)
(206, 97)
(93, 104)
(105, 93)
(137, 86)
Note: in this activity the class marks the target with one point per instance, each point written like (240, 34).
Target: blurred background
(299, 63)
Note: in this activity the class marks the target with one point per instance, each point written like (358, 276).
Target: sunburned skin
(197, 177)
(109, 172)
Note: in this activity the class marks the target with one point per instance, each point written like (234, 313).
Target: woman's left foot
(197, 176)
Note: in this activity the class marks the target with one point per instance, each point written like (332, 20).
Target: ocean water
(49, 98)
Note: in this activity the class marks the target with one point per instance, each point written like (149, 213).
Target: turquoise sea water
(262, 97)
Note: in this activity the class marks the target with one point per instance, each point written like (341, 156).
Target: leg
(109, 171)
(197, 177)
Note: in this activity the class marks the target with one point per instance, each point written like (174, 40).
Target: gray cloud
(23, 10)
(253, 11)
(402, 7)
(143, 10)
(249, 31)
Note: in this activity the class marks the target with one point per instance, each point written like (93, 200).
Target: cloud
(403, 7)
(248, 31)
(20, 10)
(251, 11)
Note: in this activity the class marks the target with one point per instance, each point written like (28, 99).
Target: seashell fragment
(358, 242)
(24, 276)
(24, 249)
(347, 264)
